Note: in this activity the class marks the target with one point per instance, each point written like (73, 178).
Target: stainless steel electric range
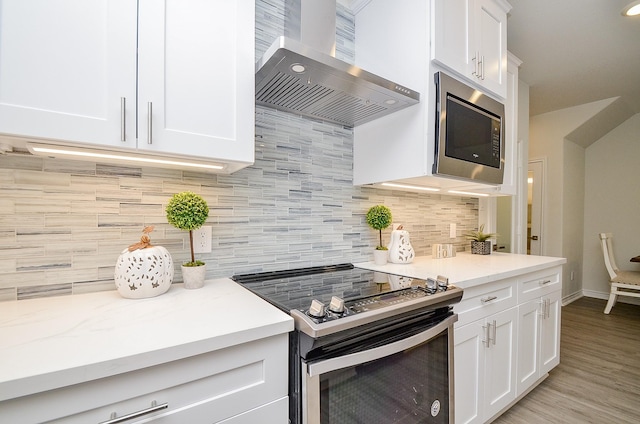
(368, 347)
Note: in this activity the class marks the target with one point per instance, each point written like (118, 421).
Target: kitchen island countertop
(466, 270)
(55, 342)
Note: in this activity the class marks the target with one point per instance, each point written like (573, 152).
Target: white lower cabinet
(507, 339)
(484, 366)
(538, 339)
(242, 384)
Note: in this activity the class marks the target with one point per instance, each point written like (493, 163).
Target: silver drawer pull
(488, 299)
(154, 407)
(542, 283)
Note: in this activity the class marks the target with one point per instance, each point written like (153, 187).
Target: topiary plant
(188, 211)
(379, 218)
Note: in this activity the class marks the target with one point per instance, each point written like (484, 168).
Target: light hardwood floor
(598, 379)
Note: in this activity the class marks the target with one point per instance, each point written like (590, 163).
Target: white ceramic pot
(193, 276)
(400, 249)
(380, 257)
(144, 272)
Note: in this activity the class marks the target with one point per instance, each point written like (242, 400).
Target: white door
(528, 344)
(491, 36)
(535, 184)
(550, 334)
(196, 74)
(500, 357)
(469, 372)
(68, 70)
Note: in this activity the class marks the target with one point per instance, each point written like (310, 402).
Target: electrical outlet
(202, 239)
(452, 230)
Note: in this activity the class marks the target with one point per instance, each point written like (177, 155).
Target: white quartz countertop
(466, 270)
(54, 342)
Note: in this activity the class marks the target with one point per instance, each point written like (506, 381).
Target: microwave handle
(357, 358)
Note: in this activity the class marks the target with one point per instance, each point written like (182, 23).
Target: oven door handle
(357, 358)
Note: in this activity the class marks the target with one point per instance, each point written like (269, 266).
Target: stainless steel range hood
(300, 74)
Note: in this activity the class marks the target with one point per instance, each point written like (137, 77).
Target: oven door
(407, 381)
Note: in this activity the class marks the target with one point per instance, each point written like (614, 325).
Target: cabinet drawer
(539, 283)
(205, 388)
(486, 299)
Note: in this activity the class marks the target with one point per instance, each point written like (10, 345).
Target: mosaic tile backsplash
(64, 223)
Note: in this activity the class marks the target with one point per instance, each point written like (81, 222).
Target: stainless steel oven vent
(299, 73)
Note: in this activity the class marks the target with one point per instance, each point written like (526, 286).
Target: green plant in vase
(480, 241)
(188, 211)
(379, 218)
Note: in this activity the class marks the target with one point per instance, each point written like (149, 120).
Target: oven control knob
(336, 305)
(316, 310)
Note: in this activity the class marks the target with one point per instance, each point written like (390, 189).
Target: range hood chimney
(300, 74)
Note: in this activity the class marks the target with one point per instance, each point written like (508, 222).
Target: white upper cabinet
(65, 65)
(469, 37)
(173, 77)
(196, 78)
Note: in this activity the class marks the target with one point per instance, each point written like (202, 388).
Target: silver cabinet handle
(493, 339)
(482, 67)
(488, 299)
(154, 407)
(123, 119)
(542, 283)
(486, 341)
(476, 68)
(149, 123)
(548, 301)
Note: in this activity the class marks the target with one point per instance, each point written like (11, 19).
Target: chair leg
(612, 301)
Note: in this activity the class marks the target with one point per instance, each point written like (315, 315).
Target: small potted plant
(379, 218)
(480, 243)
(189, 211)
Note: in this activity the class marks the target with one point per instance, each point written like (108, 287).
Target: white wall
(560, 234)
(612, 203)
(573, 215)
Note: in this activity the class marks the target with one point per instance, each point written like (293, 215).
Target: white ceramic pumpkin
(144, 270)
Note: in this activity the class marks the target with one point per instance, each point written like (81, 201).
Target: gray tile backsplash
(64, 223)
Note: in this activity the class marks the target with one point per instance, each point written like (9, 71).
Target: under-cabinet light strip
(410, 187)
(468, 193)
(86, 153)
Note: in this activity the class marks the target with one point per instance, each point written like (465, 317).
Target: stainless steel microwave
(469, 131)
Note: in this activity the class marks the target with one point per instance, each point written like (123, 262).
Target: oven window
(408, 387)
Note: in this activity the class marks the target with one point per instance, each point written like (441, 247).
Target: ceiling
(575, 52)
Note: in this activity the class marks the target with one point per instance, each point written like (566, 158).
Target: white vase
(380, 257)
(193, 276)
(144, 272)
(400, 249)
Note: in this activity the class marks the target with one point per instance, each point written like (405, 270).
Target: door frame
(541, 164)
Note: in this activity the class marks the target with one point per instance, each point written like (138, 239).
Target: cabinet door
(65, 65)
(529, 319)
(196, 78)
(469, 372)
(550, 334)
(450, 40)
(490, 33)
(500, 378)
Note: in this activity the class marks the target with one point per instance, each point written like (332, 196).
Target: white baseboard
(572, 298)
(605, 296)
